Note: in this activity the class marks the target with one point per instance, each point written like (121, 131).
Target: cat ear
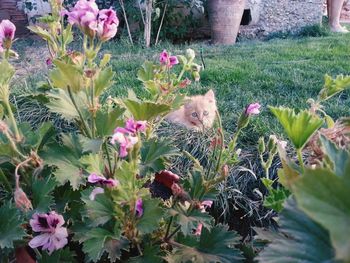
(210, 95)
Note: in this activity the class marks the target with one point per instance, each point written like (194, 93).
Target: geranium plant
(87, 192)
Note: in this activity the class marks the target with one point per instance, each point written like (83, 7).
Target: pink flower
(7, 34)
(198, 229)
(96, 191)
(84, 14)
(205, 204)
(139, 207)
(253, 109)
(135, 126)
(167, 178)
(168, 60)
(126, 141)
(96, 179)
(107, 24)
(53, 235)
(49, 62)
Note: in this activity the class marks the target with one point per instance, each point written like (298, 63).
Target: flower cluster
(167, 60)
(203, 206)
(92, 21)
(7, 34)
(253, 109)
(53, 235)
(127, 136)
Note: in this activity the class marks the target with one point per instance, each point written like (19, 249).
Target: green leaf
(58, 256)
(93, 163)
(66, 158)
(152, 214)
(215, 245)
(150, 254)
(300, 239)
(299, 127)
(146, 111)
(94, 242)
(7, 72)
(114, 248)
(189, 220)
(105, 60)
(90, 145)
(100, 210)
(339, 157)
(324, 197)
(154, 154)
(67, 75)
(42, 33)
(103, 81)
(61, 103)
(146, 72)
(42, 193)
(107, 121)
(10, 226)
(275, 199)
(333, 86)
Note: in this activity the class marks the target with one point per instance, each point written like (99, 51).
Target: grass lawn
(277, 72)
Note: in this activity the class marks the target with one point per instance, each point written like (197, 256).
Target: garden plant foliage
(87, 192)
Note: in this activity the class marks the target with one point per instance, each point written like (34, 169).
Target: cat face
(200, 111)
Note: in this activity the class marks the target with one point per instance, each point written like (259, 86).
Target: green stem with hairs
(108, 158)
(12, 119)
(85, 126)
(300, 158)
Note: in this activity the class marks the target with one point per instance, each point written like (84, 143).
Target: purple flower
(126, 141)
(107, 24)
(139, 207)
(96, 179)
(53, 235)
(49, 62)
(168, 60)
(253, 109)
(96, 191)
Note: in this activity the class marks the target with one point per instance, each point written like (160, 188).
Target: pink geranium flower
(107, 24)
(96, 179)
(253, 109)
(7, 34)
(168, 60)
(133, 126)
(53, 235)
(205, 204)
(198, 231)
(139, 207)
(84, 14)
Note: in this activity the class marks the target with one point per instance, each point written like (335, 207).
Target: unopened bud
(225, 170)
(261, 145)
(3, 127)
(22, 201)
(196, 76)
(190, 54)
(272, 142)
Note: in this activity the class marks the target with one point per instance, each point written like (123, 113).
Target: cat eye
(194, 114)
(205, 113)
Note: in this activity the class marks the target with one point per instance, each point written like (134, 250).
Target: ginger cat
(197, 113)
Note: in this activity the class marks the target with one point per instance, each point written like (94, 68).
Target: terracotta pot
(225, 17)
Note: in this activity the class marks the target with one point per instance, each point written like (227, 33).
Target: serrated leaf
(10, 225)
(103, 81)
(324, 197)
(67, 75)
(189, 220)
(154, 153)
(100, 210)
(339, 157)
(93, 163)
(66, 158)
(275, 199)
(215, 245)
(333, 86)
(150, 254)
(146, 111)
(300, 239)
(42, 193)
(114, 248)
(90, 145)
(299, 127)
(60, 103)
(146, 72)
(94, 242)
(152, 214)
(107, 121)
(42, 33)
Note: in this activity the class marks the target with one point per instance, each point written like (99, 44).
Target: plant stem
(93, 113)
(173, 233)
(300, 158)
(85, 126)
(168, 228)
(12, 119)
(108, 158)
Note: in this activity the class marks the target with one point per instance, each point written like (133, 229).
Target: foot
(339, 29)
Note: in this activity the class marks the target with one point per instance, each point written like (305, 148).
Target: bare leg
(334, 8)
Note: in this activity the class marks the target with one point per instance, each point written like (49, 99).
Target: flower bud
(22, 201)
(225, 171)
(272, 142)
(261, 145)
(196, 76)
(190, 54)
(7, 33)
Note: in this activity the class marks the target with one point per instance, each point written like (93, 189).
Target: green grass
(277, 72)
